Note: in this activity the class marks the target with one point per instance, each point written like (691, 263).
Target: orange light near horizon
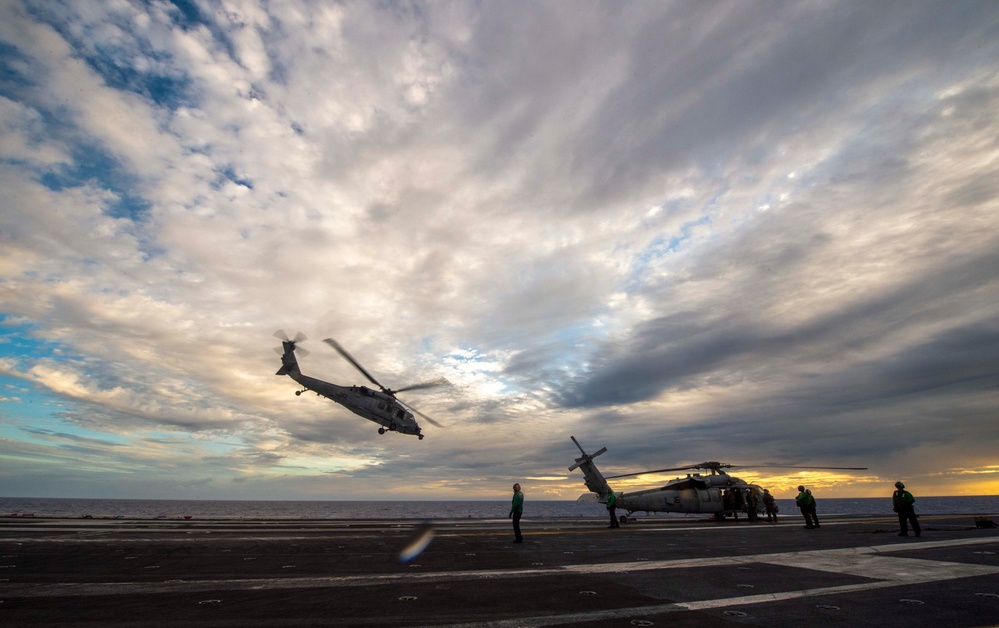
(846, 486)
(825, 483)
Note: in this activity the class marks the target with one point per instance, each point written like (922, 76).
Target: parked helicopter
(381, 406)
(718, 493)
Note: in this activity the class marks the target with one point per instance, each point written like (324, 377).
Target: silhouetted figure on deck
(806, 503)
(751, 504)
(903, 503)
(612, 509)
(516, 512)
(771, 505)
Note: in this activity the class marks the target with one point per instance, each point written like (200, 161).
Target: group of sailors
(747, 500)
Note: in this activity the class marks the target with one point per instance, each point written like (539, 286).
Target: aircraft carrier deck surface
(658, 571)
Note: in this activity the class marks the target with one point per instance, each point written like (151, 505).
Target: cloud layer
(756, 233)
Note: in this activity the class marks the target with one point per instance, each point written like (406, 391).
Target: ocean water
(423, 510)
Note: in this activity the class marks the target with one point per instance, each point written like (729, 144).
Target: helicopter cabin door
(709, 495)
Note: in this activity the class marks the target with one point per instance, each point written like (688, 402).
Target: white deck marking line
(640, 612)
(867, 562)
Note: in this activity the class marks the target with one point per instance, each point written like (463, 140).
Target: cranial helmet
(899, 485)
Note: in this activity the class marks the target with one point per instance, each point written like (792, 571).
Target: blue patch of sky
(92, 164)
(24, 348)
(577, 342)
(164, 90)
(163, 85)
(15, 71)
(187, 14)
(211, 446)
(228, 174)
(30, 411)
(19, 342)
(78, 435)
(25, 401)
(661, 246)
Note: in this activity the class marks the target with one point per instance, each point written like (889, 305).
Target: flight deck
(656, 571)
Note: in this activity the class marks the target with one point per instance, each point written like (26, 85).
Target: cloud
(680, 231)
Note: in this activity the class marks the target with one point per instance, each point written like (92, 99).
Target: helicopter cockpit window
(400, 414)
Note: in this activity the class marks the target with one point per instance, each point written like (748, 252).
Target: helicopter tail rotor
(292, 344)
(587, 458)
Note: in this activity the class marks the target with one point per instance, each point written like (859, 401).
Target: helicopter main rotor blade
(349, 358)
(423, 416)
(434, 383)
(788, 466)
(728, 466)
(625, 475)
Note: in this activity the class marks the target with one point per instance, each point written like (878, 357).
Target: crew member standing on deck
(771, 506)
(611, 508)
(903, 503)
(814, 507)
(751, 503)
(516, 511)
(806, 503)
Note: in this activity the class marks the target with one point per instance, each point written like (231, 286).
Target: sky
(761, 233)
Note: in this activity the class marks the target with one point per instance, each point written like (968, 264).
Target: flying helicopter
(380, 406)
(716, 493)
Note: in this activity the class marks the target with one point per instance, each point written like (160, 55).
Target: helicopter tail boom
(289, 365)
(594, 480)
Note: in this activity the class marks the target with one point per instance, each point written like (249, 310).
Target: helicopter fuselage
(373, 405)
(716, 493)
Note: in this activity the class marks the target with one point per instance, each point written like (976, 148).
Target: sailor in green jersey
(516, 511)
(611, 506)
(806, 503)
(903, 503)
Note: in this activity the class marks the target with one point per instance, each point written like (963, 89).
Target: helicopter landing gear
(381, 430)
(298, 393)
(623, 518)
(421, 436)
